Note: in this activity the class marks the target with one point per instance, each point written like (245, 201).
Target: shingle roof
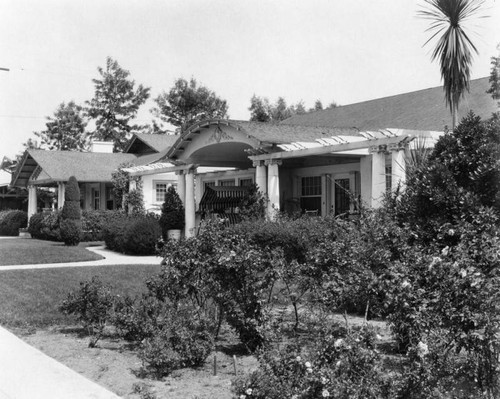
(418, 110)
(60, 165)
(155, 142)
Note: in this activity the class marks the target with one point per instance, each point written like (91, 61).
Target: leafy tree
(494, 89)
(453, 48)
(187, 103)
(259, 109)
(280, 111)
(65, 130)
(333, 104)
(115, 104)
(318, 106)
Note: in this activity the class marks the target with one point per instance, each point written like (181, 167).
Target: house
(323, 162)
(93, 170)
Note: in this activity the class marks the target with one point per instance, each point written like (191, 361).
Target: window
(227, 183)
(96, 198)
(160, 190)
(310, 199)
(246, 182)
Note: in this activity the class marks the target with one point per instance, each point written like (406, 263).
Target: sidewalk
(27, 373)
(110, 258)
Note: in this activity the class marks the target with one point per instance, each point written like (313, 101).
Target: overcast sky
(333, 50)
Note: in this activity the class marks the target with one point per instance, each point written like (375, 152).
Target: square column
(190, 206)
(61, 192)
(260, 176)
(398, 166)
(273, 187)
(378, 174)
(32, 201)
(181, 186)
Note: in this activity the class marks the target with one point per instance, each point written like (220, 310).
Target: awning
(222, 199)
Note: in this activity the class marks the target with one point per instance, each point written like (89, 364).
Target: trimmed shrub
(45, 226)
(141, 236)
(71, 231)
(172, 212)
(11, 221)
(135, 235)
(94, 221)
(71, 225)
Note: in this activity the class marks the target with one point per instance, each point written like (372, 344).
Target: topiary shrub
(172, 213)
(11, 221)
(94, 221)
(113, 233)
(35, 225)
(45, 226)
(71, 224)
(141, 236)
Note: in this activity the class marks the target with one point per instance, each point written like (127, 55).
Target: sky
(303, 50)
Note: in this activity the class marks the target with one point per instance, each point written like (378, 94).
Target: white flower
(324, 380)
(451, 232)
(248, 391)
(422, 349)
(405, 284)
(338, 343)
(338, 363)
(308, 365)
(298, 358)
(445, 251)
(378, 337)
(463, 273)
(295, 397)
(242, 396)
(325, 393)
(309, 370)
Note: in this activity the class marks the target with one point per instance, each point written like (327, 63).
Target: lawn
(22, 251)
(30, 298)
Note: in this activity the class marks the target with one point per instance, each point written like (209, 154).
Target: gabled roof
(58, 166)
(418, 110)
(142, 143)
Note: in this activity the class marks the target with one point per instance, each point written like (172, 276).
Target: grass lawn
(30, 298)
(22, 251)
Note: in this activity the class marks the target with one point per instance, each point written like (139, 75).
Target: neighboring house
(93, 170)
(322, 162)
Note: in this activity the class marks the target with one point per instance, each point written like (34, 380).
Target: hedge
(11, 221)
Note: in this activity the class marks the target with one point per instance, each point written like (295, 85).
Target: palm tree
(453, 48)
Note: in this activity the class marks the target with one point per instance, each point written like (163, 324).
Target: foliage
(65, 131)
(494, 80)
(182, 342)
(71, 231)
(45, 226)
(93, 222)
(141, 236)
(187, 103)
(132, 234)
(453, 48)
(172, 212)
(11, 221)
(92, 304)
(334, 362)
(115, 103)
(71, 224)
(121, 184)
(134, 200)
(253, 205)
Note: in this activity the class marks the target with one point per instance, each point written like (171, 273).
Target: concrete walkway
(27, 373)
(110, 258)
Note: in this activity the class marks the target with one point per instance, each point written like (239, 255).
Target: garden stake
(215, 365)
(234, 364)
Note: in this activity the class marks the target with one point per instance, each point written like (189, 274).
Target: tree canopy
(65, 130)
(187, 102)
(115, 103)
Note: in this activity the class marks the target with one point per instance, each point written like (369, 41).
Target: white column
(181, 186)
(190, 210)
(273, 187)
(398, 167)
(378, 175)
(260, 176)
(61, 193)
(31, 201)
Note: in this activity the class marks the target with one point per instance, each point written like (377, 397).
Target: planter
(23, 233)
(174, 234)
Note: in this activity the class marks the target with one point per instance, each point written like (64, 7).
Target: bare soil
(115, 365)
